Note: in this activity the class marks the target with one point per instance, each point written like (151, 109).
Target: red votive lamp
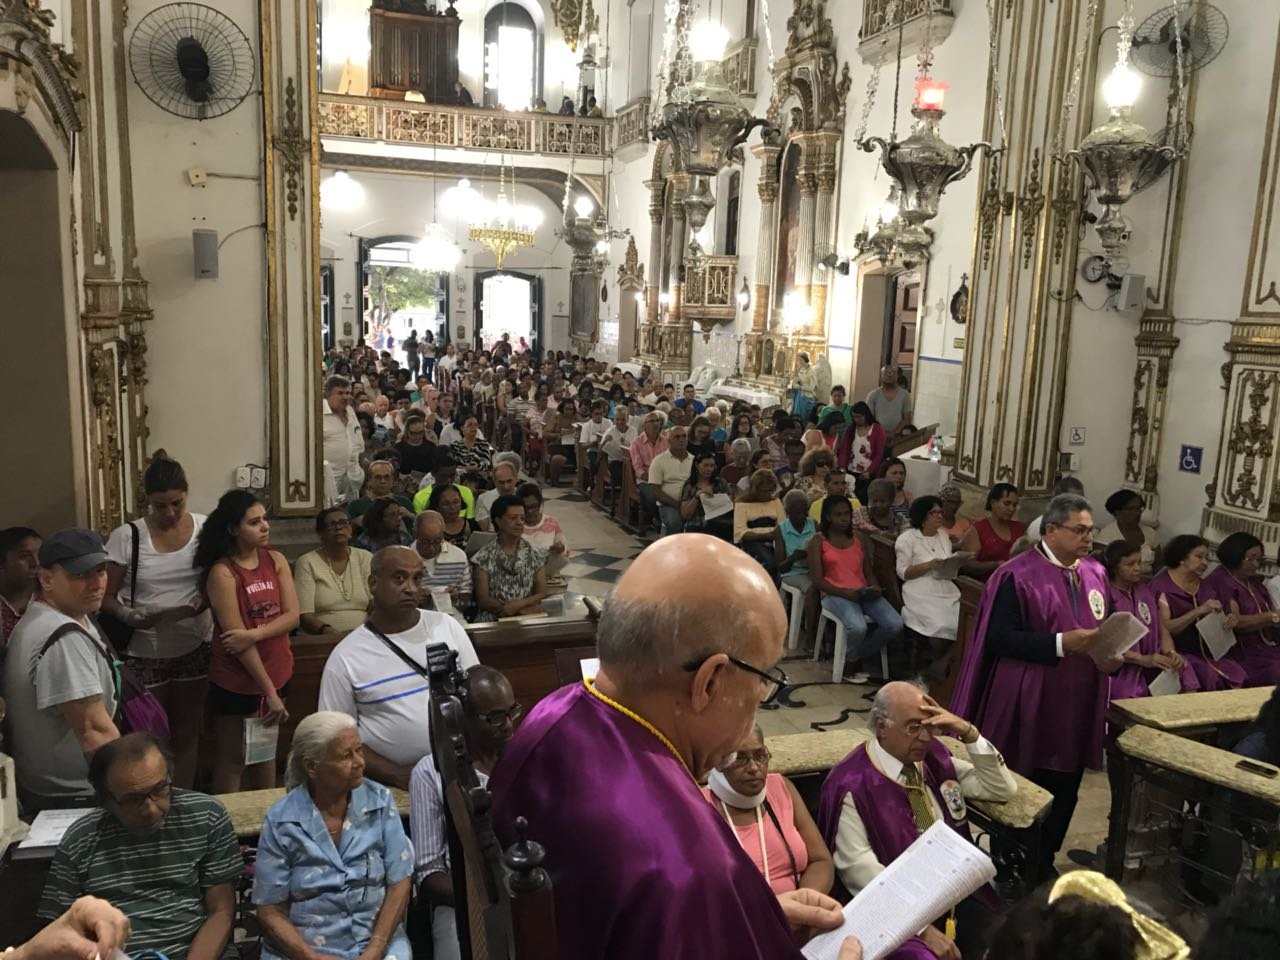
(930, 93)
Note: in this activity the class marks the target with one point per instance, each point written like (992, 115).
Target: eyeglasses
(1080, 529)
(912, 728)
(135, 801)
(338, 524)
(774, 680)
(742, 758)
(496, 718)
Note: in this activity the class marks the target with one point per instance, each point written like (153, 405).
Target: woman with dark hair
(446, 500)
(861, 446)
(616, 396)
(332, 582)
(895, 471)
(510, 575)
(840, 567)
(157, 593)
(992, 538)
(1125, 506)
(755, 516)
(741, 427)
(1237, 584)
(250, 589)
(1183, 598)
(1155, 652)
(705, 503)
(815, 465)
(831, 426)
(384, 526)
(472, 451)
(700, 436)
(930, 604)
(1070, 927)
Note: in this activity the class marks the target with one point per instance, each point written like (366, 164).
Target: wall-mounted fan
(191, 60)
(1203, 30)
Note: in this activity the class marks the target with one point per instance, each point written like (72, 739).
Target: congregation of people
(140, 668)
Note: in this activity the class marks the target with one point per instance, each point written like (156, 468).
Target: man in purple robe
(1027, 678)
(871, 808)
(607, 772)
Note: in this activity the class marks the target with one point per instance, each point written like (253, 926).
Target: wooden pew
(627, 509)
(884, 563)
(970, 597)
(910, 441)
(525, 650)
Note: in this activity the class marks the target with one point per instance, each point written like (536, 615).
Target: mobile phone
(1258, 768)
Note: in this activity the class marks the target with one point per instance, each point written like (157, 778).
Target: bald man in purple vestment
(607, 772)
(1027, 678)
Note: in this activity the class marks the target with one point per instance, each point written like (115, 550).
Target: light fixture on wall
(1117, 154)
(744, 296)
(896, 242)
(701, 116)
(341, 192)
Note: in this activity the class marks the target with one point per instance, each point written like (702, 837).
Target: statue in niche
(788, 234)
(822, 375)
(780, 362)
(767, 366)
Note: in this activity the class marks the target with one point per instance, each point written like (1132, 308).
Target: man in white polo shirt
(378, 673)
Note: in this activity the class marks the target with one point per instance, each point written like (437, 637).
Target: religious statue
(822, 375)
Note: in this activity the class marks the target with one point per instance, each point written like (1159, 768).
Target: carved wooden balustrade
(631, 123)
(709, 296)
(429, 124)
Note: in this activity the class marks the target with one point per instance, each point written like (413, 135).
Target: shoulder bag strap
(133, 564)
(418, 668)
(69, 628)
(768, 808)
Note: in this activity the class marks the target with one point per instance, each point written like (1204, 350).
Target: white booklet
(1118, 633)
(950, 568)
(933, 874)
(1166, 683)
(1217, 636)
(46, 833)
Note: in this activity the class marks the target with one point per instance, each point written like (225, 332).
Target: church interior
(964, 263)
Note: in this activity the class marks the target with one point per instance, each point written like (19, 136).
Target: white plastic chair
(795, 613)
(841, 646)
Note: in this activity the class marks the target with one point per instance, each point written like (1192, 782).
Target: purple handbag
(137, 709)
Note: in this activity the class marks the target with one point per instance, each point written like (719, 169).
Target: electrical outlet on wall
(197, 176)
(243, 477)
(259, 477)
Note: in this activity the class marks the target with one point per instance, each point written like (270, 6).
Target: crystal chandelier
(1117, 154)
(922, 165)
(503, 225)
(701, 116)
(896, 241)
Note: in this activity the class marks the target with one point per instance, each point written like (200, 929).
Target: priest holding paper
(887, 792)
(1028, 679)
(606, 771)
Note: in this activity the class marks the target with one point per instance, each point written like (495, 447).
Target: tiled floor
(600, 550)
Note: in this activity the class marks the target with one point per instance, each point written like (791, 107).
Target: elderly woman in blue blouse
(334, 865)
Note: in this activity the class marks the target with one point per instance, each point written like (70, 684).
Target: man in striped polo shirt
(444, 566)
(166, 858)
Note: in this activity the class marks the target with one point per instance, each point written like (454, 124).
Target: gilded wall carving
(1261, 297)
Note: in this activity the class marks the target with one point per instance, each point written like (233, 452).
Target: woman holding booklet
(1154, 655)
(1245, 596)
(1184, 598)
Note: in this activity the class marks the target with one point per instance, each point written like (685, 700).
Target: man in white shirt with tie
(888, 791)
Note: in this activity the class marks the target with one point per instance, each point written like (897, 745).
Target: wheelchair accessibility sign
(1190, 458)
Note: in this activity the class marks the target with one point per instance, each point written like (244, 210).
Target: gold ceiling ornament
(575, 19)
(504, 225)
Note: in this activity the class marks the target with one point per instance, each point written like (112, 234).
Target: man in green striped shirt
(167, 858)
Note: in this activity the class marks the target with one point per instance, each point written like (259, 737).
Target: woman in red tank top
(991, 539)
(254, 606)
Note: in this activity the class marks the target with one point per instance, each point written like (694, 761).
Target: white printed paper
(933, 874)
(46, 832)
(1118, 633)
(715, 505)
(1166, 683)
(259, 741)
(950, 568)
(1217, 636)
(443, 602)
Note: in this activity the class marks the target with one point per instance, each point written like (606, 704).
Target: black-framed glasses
(338, 524)
(774, 679)
(496, 718)
(135, 801)
(741, 758)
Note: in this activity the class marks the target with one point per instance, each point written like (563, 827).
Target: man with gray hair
(676, 692)
(1028, 678)
(445, 568)
(888, 791)
(343, 442)
(506, 477)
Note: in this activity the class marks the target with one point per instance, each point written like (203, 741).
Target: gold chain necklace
(343, 589)
(591, 689)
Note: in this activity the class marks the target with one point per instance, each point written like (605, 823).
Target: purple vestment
(1255, 651)
(1211, 674)
(1040, 716)
(885, 811)
(642, 866)
(1132, 680)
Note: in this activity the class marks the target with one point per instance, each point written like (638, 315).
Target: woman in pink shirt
(770, 820)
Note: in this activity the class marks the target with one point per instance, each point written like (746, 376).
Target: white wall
(206, 360)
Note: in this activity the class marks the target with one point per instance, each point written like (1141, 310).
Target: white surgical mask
(723, 791)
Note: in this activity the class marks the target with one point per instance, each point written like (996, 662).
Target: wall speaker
(1132, 289)
(204, 250)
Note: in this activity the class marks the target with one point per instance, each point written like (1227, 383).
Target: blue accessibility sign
(1190, 458)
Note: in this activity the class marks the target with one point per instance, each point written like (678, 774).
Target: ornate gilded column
(657, 192)
(1019, 333)
(631, 281)
(675, 264)
(824, 227)
(292, 182)
(808, 215)
(767, 189)
(675, 332)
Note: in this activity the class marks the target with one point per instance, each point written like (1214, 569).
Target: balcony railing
(914, 13)
(475, 128)
(709, 290)
(739, 65)
(631, 123)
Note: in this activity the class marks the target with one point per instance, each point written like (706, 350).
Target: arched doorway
(508, 302)
(397, 297)
(33, 289)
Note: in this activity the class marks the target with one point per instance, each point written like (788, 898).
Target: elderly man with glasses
(1029, 677)
(167, 858)
(606, 771)
(888, 791)
(490, 716)
(445, 568)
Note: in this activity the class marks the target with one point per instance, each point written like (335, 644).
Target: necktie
(918, 797)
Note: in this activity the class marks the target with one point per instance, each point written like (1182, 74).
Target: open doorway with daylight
(511, 303)
(399, 297)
